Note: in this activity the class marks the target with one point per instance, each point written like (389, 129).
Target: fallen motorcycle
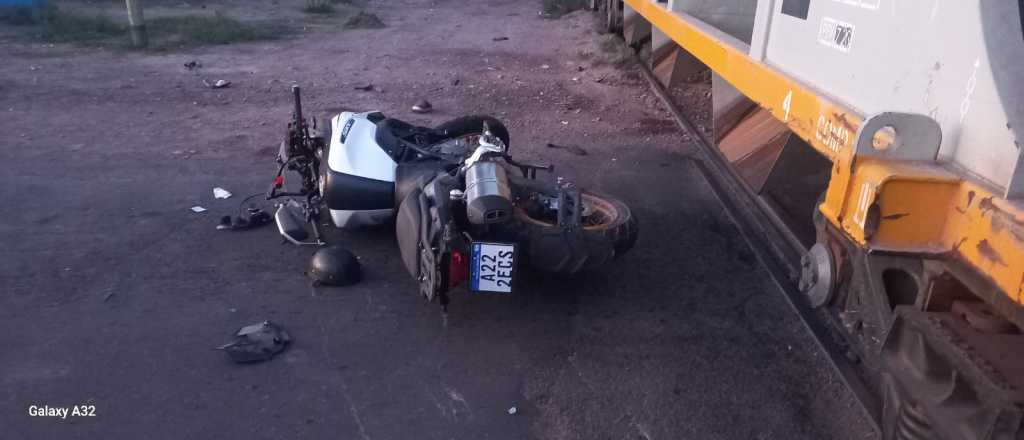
(464, 210)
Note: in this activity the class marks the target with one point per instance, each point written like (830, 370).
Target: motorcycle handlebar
(298, 104)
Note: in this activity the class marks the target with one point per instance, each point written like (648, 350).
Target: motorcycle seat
(391, 131)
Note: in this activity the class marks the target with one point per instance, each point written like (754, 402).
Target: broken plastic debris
(257, 342)
(220, 193)
(198, 209)
(423, 106)
(220, 84)
(512, 411)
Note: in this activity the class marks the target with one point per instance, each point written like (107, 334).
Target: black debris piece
(256, 218)
(574, 149)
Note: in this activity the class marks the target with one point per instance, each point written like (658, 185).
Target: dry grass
(614, 51)
(364, 20)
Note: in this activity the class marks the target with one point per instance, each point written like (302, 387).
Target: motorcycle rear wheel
(609, 231)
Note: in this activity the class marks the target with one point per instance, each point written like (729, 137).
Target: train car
(874, 149)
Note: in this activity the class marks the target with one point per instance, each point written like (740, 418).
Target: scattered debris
(220, 193)
(364, 20)
(108, 296)
(198, 209)
(455, 82)
(193, 65)
(423, 106)
(580, 68)
(185, 154)
(545, 66)
(574, 149)
(499, 39)
(512, 411)
(366, 88)
(256, 217)
(220, 84)
(257, 342)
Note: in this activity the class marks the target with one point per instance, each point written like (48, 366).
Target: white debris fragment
(220, 84)
(512, 411)
(197, 209)
(220, 193)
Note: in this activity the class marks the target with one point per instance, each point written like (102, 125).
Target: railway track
(773, 248)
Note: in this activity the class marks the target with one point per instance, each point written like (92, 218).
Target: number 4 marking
(787, 104)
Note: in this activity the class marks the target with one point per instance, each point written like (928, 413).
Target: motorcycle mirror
(291, 223)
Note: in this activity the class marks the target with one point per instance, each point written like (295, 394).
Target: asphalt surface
(115, 293)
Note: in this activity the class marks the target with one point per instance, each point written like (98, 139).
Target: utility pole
(137, 24)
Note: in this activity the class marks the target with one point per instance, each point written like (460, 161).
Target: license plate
(492, 267)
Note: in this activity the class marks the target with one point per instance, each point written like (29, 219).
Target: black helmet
(335, 266)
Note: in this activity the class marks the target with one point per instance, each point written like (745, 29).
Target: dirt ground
(114, 292)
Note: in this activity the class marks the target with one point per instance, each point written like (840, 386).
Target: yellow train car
(880, 140)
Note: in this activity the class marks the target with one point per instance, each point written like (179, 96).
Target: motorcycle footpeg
(570, 208)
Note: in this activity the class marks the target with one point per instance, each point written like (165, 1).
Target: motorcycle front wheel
(609, 230)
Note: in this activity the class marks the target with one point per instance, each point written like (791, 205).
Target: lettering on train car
(836, 34)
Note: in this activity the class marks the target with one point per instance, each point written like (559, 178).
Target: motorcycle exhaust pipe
(488, 195)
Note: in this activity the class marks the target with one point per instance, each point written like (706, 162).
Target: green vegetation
(558, 8)
(193, 30)
(50, 24)
(319, 7)
(53, 25)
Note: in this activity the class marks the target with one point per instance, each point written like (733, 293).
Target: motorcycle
(464, 210)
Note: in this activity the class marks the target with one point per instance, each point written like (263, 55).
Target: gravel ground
(115, 293)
